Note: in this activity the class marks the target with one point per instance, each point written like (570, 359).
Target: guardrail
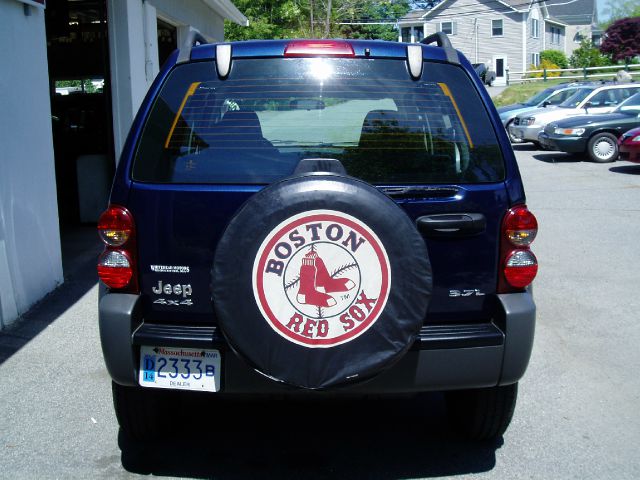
(631, 69)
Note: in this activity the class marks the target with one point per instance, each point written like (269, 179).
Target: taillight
(117, 265)
(115, 226)
(323, 48)
(519, 266)
(520, 226)
(115, 269)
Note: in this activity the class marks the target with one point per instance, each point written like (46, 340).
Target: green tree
(384, 13)
(273, 19)
(557, 57)
(588, 55)
(617, 9)
(270, 19)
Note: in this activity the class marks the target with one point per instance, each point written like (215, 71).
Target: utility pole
(311, 11)
(327, 27)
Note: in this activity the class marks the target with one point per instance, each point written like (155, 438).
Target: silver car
(547, 98)
(527, 125)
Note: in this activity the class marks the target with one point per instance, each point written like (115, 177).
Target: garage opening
(78, 55)
(167, 40)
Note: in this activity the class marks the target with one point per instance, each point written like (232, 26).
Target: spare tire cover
(321, 280)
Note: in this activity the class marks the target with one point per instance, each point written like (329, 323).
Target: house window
(418, 34)
(535, 59)
(535, 27)
(406, 34)
(496, 28)
(555, 35)
(448, 27)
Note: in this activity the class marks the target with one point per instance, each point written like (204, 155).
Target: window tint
(255, 127)
(539, 97)
(561, 96)
(606, 98)
(575, 99)
(630, 106)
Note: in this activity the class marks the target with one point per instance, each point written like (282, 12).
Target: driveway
(577, 416)
(494, 91)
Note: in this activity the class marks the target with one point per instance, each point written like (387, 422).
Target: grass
(522, 91)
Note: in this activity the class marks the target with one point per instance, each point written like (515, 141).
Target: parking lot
(577, 415)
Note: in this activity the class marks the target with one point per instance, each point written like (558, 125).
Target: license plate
(180, 368)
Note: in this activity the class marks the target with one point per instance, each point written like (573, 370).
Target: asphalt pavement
(577, 414)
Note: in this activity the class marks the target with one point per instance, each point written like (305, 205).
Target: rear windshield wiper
(420, 192)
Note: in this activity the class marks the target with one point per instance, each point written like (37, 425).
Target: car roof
(276, 48)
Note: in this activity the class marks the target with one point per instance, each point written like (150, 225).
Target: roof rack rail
(442, 40)
(194, 37)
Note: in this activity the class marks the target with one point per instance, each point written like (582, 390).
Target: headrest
(377, 120)
(244, 122)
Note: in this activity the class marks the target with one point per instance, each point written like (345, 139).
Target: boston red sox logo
(321, 278)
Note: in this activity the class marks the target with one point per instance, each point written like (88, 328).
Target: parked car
(378, 242)
(486, 75)
(547, 98)
(629, 145)
(586, 100)
(596, 135)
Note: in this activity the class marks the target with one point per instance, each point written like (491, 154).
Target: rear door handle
(452, 224)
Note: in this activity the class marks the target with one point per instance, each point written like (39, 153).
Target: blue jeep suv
(317, 217)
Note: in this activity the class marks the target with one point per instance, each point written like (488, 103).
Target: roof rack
(194, 37)
(442, 40)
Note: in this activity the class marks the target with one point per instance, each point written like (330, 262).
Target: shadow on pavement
(627, 169)
(558, 157)
(373, 438)
(80, 250)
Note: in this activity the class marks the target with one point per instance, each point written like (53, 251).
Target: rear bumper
(526, 133)
(630, 154)
(564, 143)
(444, 357)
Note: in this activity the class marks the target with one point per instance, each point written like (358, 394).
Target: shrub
(587, 55)
(556, 57)
(544, 64)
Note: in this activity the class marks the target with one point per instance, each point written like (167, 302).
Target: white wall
(133, 49)
(30, 258)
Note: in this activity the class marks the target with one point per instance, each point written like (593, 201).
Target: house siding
(487, 46)
(572, 33)
(549, 44)
(534, 45)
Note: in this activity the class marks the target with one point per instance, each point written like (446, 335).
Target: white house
(506, 34)
(70, 155)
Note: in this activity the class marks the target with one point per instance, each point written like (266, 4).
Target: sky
(601, 6)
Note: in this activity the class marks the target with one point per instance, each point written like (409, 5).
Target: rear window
(256, 126)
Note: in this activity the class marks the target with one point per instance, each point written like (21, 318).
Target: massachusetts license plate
(180, 368)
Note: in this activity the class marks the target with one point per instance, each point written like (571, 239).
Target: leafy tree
(372, 11)
(588, 55)
(617, 9)
(622, 39)
(272, 19)
(557, 57)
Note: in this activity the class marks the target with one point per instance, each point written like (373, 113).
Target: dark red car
(629, 145)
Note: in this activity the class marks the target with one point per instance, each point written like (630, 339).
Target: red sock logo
(316, 283)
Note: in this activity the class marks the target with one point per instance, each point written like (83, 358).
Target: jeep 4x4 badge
(321, 278)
